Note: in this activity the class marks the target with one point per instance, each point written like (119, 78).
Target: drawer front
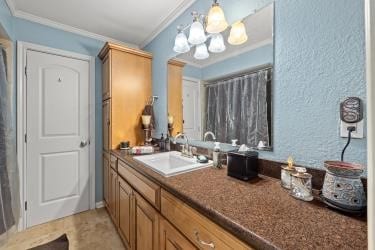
(114, 162)
(148, 189)
(198, 229)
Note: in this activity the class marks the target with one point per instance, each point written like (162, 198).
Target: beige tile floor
(89, 230)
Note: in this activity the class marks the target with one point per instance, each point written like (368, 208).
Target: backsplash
(319, 60)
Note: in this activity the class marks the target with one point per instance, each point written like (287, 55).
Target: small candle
(170, 119)
(146, 120)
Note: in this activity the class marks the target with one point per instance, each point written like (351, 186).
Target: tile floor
(89, 230)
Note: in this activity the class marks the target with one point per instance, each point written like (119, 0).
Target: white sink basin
(171, 163)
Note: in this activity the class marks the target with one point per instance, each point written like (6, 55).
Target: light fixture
(237, 34)
(216, 21)
(181, 44)
(217, 43)
(196, 34)
(201, 52)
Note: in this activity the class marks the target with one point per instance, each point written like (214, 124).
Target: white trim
(48, 22)
(22, 48)
(100, 204)
(167, 21)
(228, 55)
(68, 28)
(370, 69)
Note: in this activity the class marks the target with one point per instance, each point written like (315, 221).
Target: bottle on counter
(167, 143)
(286, 174)
(301, 186)
(162, 143)
(216, 156)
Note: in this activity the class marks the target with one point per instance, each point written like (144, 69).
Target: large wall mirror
(224, 88)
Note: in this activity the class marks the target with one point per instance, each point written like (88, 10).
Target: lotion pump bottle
(217, 155)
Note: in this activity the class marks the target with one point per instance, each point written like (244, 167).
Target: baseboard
(100, 204)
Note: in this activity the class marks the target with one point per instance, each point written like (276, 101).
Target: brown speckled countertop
(261, 212)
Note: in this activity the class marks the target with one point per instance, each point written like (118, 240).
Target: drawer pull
(211, 244)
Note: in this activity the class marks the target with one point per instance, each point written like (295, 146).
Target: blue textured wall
(319, 60)
(6, 19)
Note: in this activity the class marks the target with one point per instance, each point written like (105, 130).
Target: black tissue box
(243, 165)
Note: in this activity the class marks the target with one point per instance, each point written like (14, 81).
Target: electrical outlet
(358, 133)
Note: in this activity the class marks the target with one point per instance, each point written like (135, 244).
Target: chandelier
(207, 30)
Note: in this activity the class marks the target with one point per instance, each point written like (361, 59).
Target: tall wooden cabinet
(175, 74)
(126, 88)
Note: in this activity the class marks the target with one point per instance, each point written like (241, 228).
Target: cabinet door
(105, 176)
(171, 239)
(106, 125)
(147, 225)
(112, 195)
(106, 77)
(126, 216)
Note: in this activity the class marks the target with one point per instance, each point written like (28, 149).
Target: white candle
(170, 119)
(146, 120)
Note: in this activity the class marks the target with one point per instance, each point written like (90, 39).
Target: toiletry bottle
(167, 143)
(162, 143)
(217, 155)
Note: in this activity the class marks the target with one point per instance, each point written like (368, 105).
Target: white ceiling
(259, 29)
(130, 21)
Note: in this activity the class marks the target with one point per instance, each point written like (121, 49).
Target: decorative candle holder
(301, 187)
(286, 174)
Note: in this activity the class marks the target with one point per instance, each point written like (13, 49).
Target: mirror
(230, 92)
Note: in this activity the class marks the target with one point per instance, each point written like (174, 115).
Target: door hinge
(25, 205)
(26, 71)
(25, 138)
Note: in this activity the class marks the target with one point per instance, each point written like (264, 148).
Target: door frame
(199, 82)
(22, 48)
(370, 82)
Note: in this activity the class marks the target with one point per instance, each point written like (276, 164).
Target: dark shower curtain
(237, 108)
(9, 188)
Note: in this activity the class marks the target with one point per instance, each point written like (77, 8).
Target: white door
(191, 109)
(57, 165)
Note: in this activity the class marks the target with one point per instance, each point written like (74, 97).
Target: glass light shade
(196, 34)
(201, 52)
(216, 21)
(237, 34)
(181, 44)
(217, 43)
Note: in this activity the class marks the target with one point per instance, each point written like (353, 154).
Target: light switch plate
(358, 133)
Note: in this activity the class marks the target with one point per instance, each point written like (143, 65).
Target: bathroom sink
(171, 163)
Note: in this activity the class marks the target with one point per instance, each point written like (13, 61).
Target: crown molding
(64, 27)
(167, 21)
(229, 55)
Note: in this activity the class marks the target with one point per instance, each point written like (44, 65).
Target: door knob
(83, 144)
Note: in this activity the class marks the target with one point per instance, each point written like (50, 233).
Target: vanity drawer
(148, 189)
(198, 229)
(113, 161)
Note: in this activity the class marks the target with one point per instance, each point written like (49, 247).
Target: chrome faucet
(187, 150)
(207, 134)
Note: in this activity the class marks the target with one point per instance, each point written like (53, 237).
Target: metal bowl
(344, 169)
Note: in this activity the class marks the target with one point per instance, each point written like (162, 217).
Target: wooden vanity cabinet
(112, 195)
(149, 218)
(171, 239)
(126, 87)
(106, 167)
(147, 225)
(126, 218)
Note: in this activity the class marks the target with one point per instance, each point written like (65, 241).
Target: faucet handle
(182, 149)
(193, 151)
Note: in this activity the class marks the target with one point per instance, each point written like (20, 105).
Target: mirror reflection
(221, 89)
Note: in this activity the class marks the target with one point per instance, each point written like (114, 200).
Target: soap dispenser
(216, 156)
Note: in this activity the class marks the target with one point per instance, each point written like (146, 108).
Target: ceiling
(259, 28)
(134, 22)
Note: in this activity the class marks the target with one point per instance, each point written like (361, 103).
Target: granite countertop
(260, 213)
